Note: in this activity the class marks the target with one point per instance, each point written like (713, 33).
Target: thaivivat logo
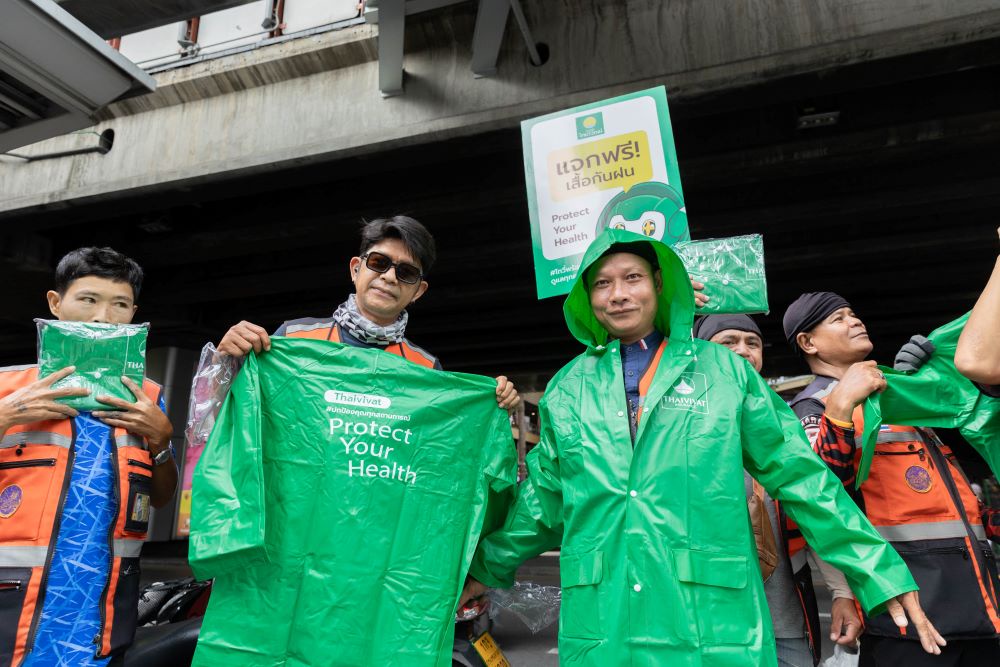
(357, 400)
(690, 393)
(683, 388)
(591, 125)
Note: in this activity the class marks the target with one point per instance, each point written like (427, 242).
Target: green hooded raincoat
(658, 563)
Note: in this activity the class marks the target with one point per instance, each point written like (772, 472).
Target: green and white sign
(600, 165)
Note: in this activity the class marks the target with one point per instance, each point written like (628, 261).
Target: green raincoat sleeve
(778, 454)
(229, 485)
(534, 524)
(936, 396)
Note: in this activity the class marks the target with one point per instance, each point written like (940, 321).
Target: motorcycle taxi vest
(327, 329)
(919, 499)
(36, 464)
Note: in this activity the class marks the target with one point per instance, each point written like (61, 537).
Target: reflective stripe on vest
(36, 438)
(129, 440)
(299, 328)
(898, 436)
(127, 548)
(22, 556)
(932, 530)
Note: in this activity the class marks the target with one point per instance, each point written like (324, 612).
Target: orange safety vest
(328, 330)
(920, 501)
(35, 472)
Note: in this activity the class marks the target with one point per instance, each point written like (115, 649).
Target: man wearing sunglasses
(388, 275)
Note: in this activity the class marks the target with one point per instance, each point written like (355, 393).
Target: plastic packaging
(732, 270)
(102, 354)
(842, 658)
(537, 606)
(209, 388)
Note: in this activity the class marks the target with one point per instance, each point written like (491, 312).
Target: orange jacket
(35, 471)
(326, 329)
(918, 498)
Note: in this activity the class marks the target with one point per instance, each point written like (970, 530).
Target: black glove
(914, 354)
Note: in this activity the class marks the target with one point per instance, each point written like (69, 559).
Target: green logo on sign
(590, 125)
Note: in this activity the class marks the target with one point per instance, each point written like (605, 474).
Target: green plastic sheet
(936, 396)
(338, 503)
(732, 270)
(102, 354)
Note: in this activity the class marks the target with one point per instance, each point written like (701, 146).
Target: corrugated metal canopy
(55, 73)
(114, 18)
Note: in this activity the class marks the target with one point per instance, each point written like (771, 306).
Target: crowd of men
(656, 439)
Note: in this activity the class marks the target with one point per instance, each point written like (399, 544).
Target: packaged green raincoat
(732, 270)
(338, 502)
(102, 354)
(936, 396)
(658, 563)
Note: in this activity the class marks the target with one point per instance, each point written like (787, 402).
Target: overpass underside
(862, 145)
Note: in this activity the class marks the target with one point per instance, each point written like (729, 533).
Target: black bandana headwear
(706, 327)
(809, 310)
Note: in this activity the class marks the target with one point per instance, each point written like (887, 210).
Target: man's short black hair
(414, 236)
(100, 262)
(640, 249)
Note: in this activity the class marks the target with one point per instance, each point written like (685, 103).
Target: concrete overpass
(317, 99)
(240, 181)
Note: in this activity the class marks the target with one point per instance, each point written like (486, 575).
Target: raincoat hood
(675, 303)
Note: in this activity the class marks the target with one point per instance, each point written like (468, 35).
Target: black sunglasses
(405, 273)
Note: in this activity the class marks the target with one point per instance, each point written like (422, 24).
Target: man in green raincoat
(639, 479)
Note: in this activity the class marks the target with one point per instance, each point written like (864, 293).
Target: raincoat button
(637, 588)
(621, 414)
(633, 493)
(687, 352)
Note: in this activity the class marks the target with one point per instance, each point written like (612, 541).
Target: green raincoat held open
(658, 563)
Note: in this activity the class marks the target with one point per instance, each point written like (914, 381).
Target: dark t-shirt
(992, 390)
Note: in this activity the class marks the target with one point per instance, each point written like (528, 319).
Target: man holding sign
(607, 165)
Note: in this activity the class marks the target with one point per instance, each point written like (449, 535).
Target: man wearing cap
(791, 598)
(915, 495)
(638, 477)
